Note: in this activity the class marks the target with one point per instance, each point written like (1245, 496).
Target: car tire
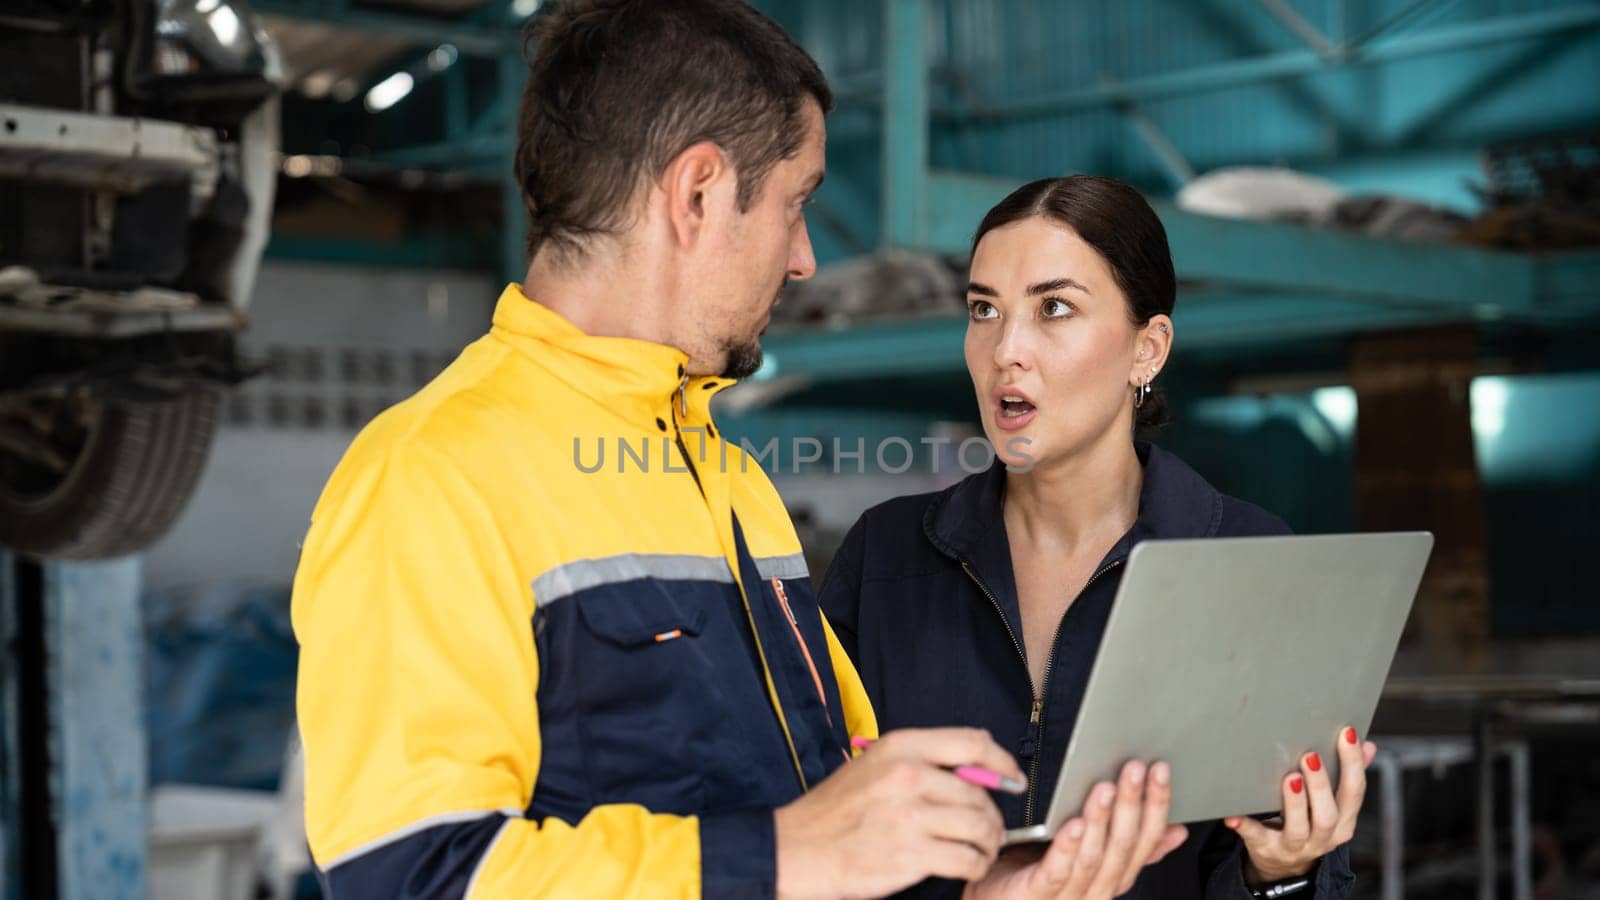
(129, 481)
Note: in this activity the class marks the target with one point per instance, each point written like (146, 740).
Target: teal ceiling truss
(946, 104)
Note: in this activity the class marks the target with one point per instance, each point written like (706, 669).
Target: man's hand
(1098, 855)
(893, 816)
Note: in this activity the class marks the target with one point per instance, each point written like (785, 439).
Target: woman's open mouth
(1014, 412)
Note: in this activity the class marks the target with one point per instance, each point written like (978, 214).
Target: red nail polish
(1349, 735)
(1314, 762)
(1297, 784)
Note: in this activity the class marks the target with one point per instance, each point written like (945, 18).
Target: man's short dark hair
(618, 88)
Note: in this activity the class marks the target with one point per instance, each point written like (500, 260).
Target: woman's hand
(1314, 821)
(1098, 855)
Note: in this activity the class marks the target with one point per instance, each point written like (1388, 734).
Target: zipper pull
(1030, 737)
(783, 600)
(683, 398)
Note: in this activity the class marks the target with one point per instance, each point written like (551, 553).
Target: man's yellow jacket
(557, 636)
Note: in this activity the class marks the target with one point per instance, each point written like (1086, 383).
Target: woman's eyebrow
(1057, 284)
(982, 290)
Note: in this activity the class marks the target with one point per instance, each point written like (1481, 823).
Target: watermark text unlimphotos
(891, 456)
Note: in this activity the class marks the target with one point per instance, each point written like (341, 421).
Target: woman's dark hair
(1119, 224)
(618, 88)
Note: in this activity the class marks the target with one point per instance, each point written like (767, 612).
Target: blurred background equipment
(1543, 193)
(138, 161)
(1384, 216)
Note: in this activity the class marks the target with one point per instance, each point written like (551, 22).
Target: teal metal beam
(1206, 320)
(422, 251)
(929, 347)
(905, 129)
(1294, 64)
(1292, 20)
(1335, 27)
(1483, 32)
(908, 348)
(1215, 324)
(1242, 284)
(1486, 86)
(1395, 19)
(479, 41)
(1569, 283)
(1171, 160)
(1270, 257)
(956, 203)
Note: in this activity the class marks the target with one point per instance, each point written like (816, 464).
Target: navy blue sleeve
(1335, 881)
(738, 858)
(1222, 866)
(433, 863)
(738, 854)
(840, 596)
(1222, 870)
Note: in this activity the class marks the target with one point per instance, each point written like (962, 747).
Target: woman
(984, 604)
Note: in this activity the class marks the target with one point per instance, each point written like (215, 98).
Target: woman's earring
(1139, 393)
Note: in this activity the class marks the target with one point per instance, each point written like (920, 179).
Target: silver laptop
(1231, 657)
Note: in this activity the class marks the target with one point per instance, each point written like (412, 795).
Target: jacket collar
(638, 379)
(965, 521)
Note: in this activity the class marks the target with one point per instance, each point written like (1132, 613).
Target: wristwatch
(1281, 888)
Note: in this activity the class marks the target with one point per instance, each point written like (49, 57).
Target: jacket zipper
(677, 434)
(788, 612)
(1036, 713)
(688, 461)
(1037, 725)
(1030, 737)
(967, 567)
(805, 650)
(744, 597)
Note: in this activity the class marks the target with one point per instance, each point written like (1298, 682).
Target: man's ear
(689, 184)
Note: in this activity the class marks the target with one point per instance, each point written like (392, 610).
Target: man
(526, 674)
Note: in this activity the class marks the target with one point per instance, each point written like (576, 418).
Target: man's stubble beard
(743, 358)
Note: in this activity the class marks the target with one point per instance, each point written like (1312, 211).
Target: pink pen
(986, 778)
(978, 775)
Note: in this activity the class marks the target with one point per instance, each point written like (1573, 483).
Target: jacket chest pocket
(667, 693)
(635, 652)
(631, 624)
